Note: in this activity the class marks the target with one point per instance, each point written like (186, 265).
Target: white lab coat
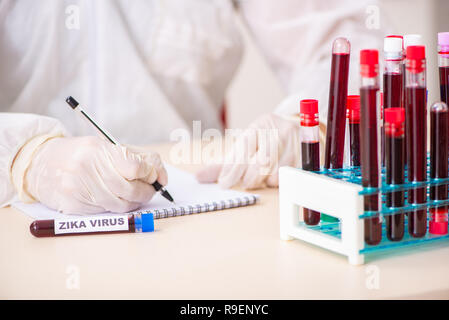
(297, 37)
(144, 68)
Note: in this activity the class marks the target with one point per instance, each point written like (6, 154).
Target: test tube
(369, 141)
(393, 74)
(394, 163)
(310, 147)
(336, 116)
(394, 51)
(338, 90)
(347, 151)
(382, 129)
(416, 118)
(408, 40)
(443, 64)
(438, 223)
(353, 106)
(98, 224)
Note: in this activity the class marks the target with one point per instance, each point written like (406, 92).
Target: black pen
(75, 106)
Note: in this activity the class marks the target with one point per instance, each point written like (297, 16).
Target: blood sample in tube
(438, 166)
(310, 147)
(99, 224)
(336, 115)
(369, 141)
(394, 164)
(416, 118)
(392, 75)
(443, 64)
(353, 102)
(338, 91)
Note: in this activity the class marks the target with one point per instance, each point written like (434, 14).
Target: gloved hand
(91, 175)
(270, 142)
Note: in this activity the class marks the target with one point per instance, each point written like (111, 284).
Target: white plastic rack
(339, 193)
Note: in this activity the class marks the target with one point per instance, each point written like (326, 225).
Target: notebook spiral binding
(205, 207)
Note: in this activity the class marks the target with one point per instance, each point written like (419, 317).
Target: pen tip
(72, 102)
(167, 196)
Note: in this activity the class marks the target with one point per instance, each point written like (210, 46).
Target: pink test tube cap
(443, 39)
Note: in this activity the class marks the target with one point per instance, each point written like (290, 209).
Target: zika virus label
(101, 223)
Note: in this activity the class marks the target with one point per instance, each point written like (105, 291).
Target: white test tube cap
(412, 40)
(392, 44)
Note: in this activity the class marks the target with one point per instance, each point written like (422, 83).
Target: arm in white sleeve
(296, 38)
(20, 136)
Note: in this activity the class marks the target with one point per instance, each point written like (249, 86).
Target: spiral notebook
(190, 197)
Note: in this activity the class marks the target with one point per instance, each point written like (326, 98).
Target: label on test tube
(101, 223)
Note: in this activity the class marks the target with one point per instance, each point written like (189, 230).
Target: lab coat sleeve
(296, 39)
(21, 133)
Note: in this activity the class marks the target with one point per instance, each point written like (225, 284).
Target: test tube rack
(339, 193)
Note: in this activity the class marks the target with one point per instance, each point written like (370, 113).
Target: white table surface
(233, 254)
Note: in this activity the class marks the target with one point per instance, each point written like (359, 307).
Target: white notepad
(190, 197)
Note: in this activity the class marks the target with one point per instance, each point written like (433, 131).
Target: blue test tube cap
(147, 222)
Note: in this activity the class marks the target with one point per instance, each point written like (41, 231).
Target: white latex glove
(270, 142)
(91, 175)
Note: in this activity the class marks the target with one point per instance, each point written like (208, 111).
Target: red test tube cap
(369, 62)
(353, 102)
(438, 221)
(353, 107)
(416, 52)
(438, 227)
(415, 58)
(308, 109)
(369, 56)
(394, 115)
(309, 106)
